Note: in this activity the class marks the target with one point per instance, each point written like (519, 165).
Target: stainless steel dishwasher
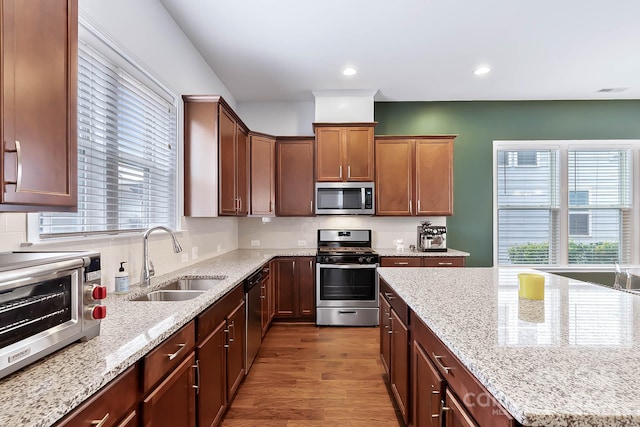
(254, 317)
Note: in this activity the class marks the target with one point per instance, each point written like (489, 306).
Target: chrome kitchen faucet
(147, 266)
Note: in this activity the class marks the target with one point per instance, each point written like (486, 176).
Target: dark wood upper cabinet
(344, 152)
(263, 175)
(294, 177)
(216, 158)
(39, 94)
(414, 175)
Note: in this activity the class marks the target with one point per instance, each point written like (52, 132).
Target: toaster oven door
(39, 313)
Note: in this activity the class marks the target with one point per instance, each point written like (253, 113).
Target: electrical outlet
(185, 257)
(255, 243)
(302, 242)
(219, 248)
(194, 252)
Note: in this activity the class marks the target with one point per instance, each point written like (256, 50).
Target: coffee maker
(431, 238)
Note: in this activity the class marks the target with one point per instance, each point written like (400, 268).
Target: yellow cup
(531, 286)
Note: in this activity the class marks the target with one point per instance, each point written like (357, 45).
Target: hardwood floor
(315, 376)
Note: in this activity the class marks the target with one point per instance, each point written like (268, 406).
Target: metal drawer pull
(197, 384)
(100, 423)
(346, 311)
(174, 355)
(439, 362)
(389, 295)
(401, 263)
(340, 172)
(348, 171)
(445, 263)
(232, 325)
(443, 408)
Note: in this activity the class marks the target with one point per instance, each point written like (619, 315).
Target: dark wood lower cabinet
(172, 403)
(294, 288)
(235, 351)
(454, 412)
(399, 376)
(212, 395)
(428, 388)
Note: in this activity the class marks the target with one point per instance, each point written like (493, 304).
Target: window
(126, 147)
(573, 208)
(527, 158)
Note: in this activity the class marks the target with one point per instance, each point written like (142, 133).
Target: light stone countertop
(45, 391)
(408, 253)
(572, 359)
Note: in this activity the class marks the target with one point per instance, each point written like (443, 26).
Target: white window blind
(528, 201)
(573, 206)
(600, 189)
(126, 152)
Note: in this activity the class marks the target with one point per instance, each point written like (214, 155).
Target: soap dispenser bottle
(122, 280)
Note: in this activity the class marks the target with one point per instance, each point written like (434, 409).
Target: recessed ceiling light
(481, 70)
(349, 71)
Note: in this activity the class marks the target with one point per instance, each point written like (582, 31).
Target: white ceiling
(418, 50)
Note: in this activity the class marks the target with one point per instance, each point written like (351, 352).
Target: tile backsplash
(277, 233)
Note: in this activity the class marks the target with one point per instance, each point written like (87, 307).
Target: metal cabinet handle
(226, 331)
(418, 205)
(100, 423)
(311, 206)
(411, 206)
(439, 362)
(340, 171)
(401, 263)
(443, 408)
(127, 420)
(18, 151)
(389, 295)
(445, 263)
(197, 384)
(174, 355)
(233, 337)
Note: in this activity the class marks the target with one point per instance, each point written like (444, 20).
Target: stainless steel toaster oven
(47, 301)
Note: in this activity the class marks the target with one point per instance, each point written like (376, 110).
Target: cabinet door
(265, 303)
(306, 287)
(329, 154)
(109, 404)
(434, 177)
(455, 414)
(235, 352)
(285, 287)
(428, 387)
(399, 377)
(358, 148)
(263, 176)
(39, 103)
(394, 176)
(228, 160)
(212, 395)
(242, 171)
(272, 286)
(172, 403)
(385, 333)
(392, 261)
(294, 178)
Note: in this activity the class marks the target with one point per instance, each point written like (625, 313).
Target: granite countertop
(571, 359)
(406, 252)
(42, 393)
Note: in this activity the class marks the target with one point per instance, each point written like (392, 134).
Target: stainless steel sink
(169, 295)
(193, 284)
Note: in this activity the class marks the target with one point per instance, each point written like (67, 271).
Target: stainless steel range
(346, 279)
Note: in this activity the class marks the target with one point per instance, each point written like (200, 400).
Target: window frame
(90, 33)
(563, 147)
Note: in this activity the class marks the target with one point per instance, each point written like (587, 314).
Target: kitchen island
(572, 359)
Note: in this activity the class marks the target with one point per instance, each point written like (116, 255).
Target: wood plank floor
(315, 376)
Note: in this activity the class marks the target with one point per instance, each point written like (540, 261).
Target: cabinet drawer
(479, 402)
(211, 317)
(111, 404)
(168, 355)
(395, 301)
(444, 261)
(393, 261)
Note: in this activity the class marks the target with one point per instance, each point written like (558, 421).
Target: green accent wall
(478, 124)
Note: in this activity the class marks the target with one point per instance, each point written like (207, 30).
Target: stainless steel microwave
(345, 198)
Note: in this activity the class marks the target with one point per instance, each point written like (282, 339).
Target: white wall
(278, 118)
(287, 232)
(147, 33)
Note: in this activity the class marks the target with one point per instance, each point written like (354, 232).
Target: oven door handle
(348, 266)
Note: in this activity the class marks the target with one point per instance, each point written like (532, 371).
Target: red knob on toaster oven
(99, 292)
(99, 312)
